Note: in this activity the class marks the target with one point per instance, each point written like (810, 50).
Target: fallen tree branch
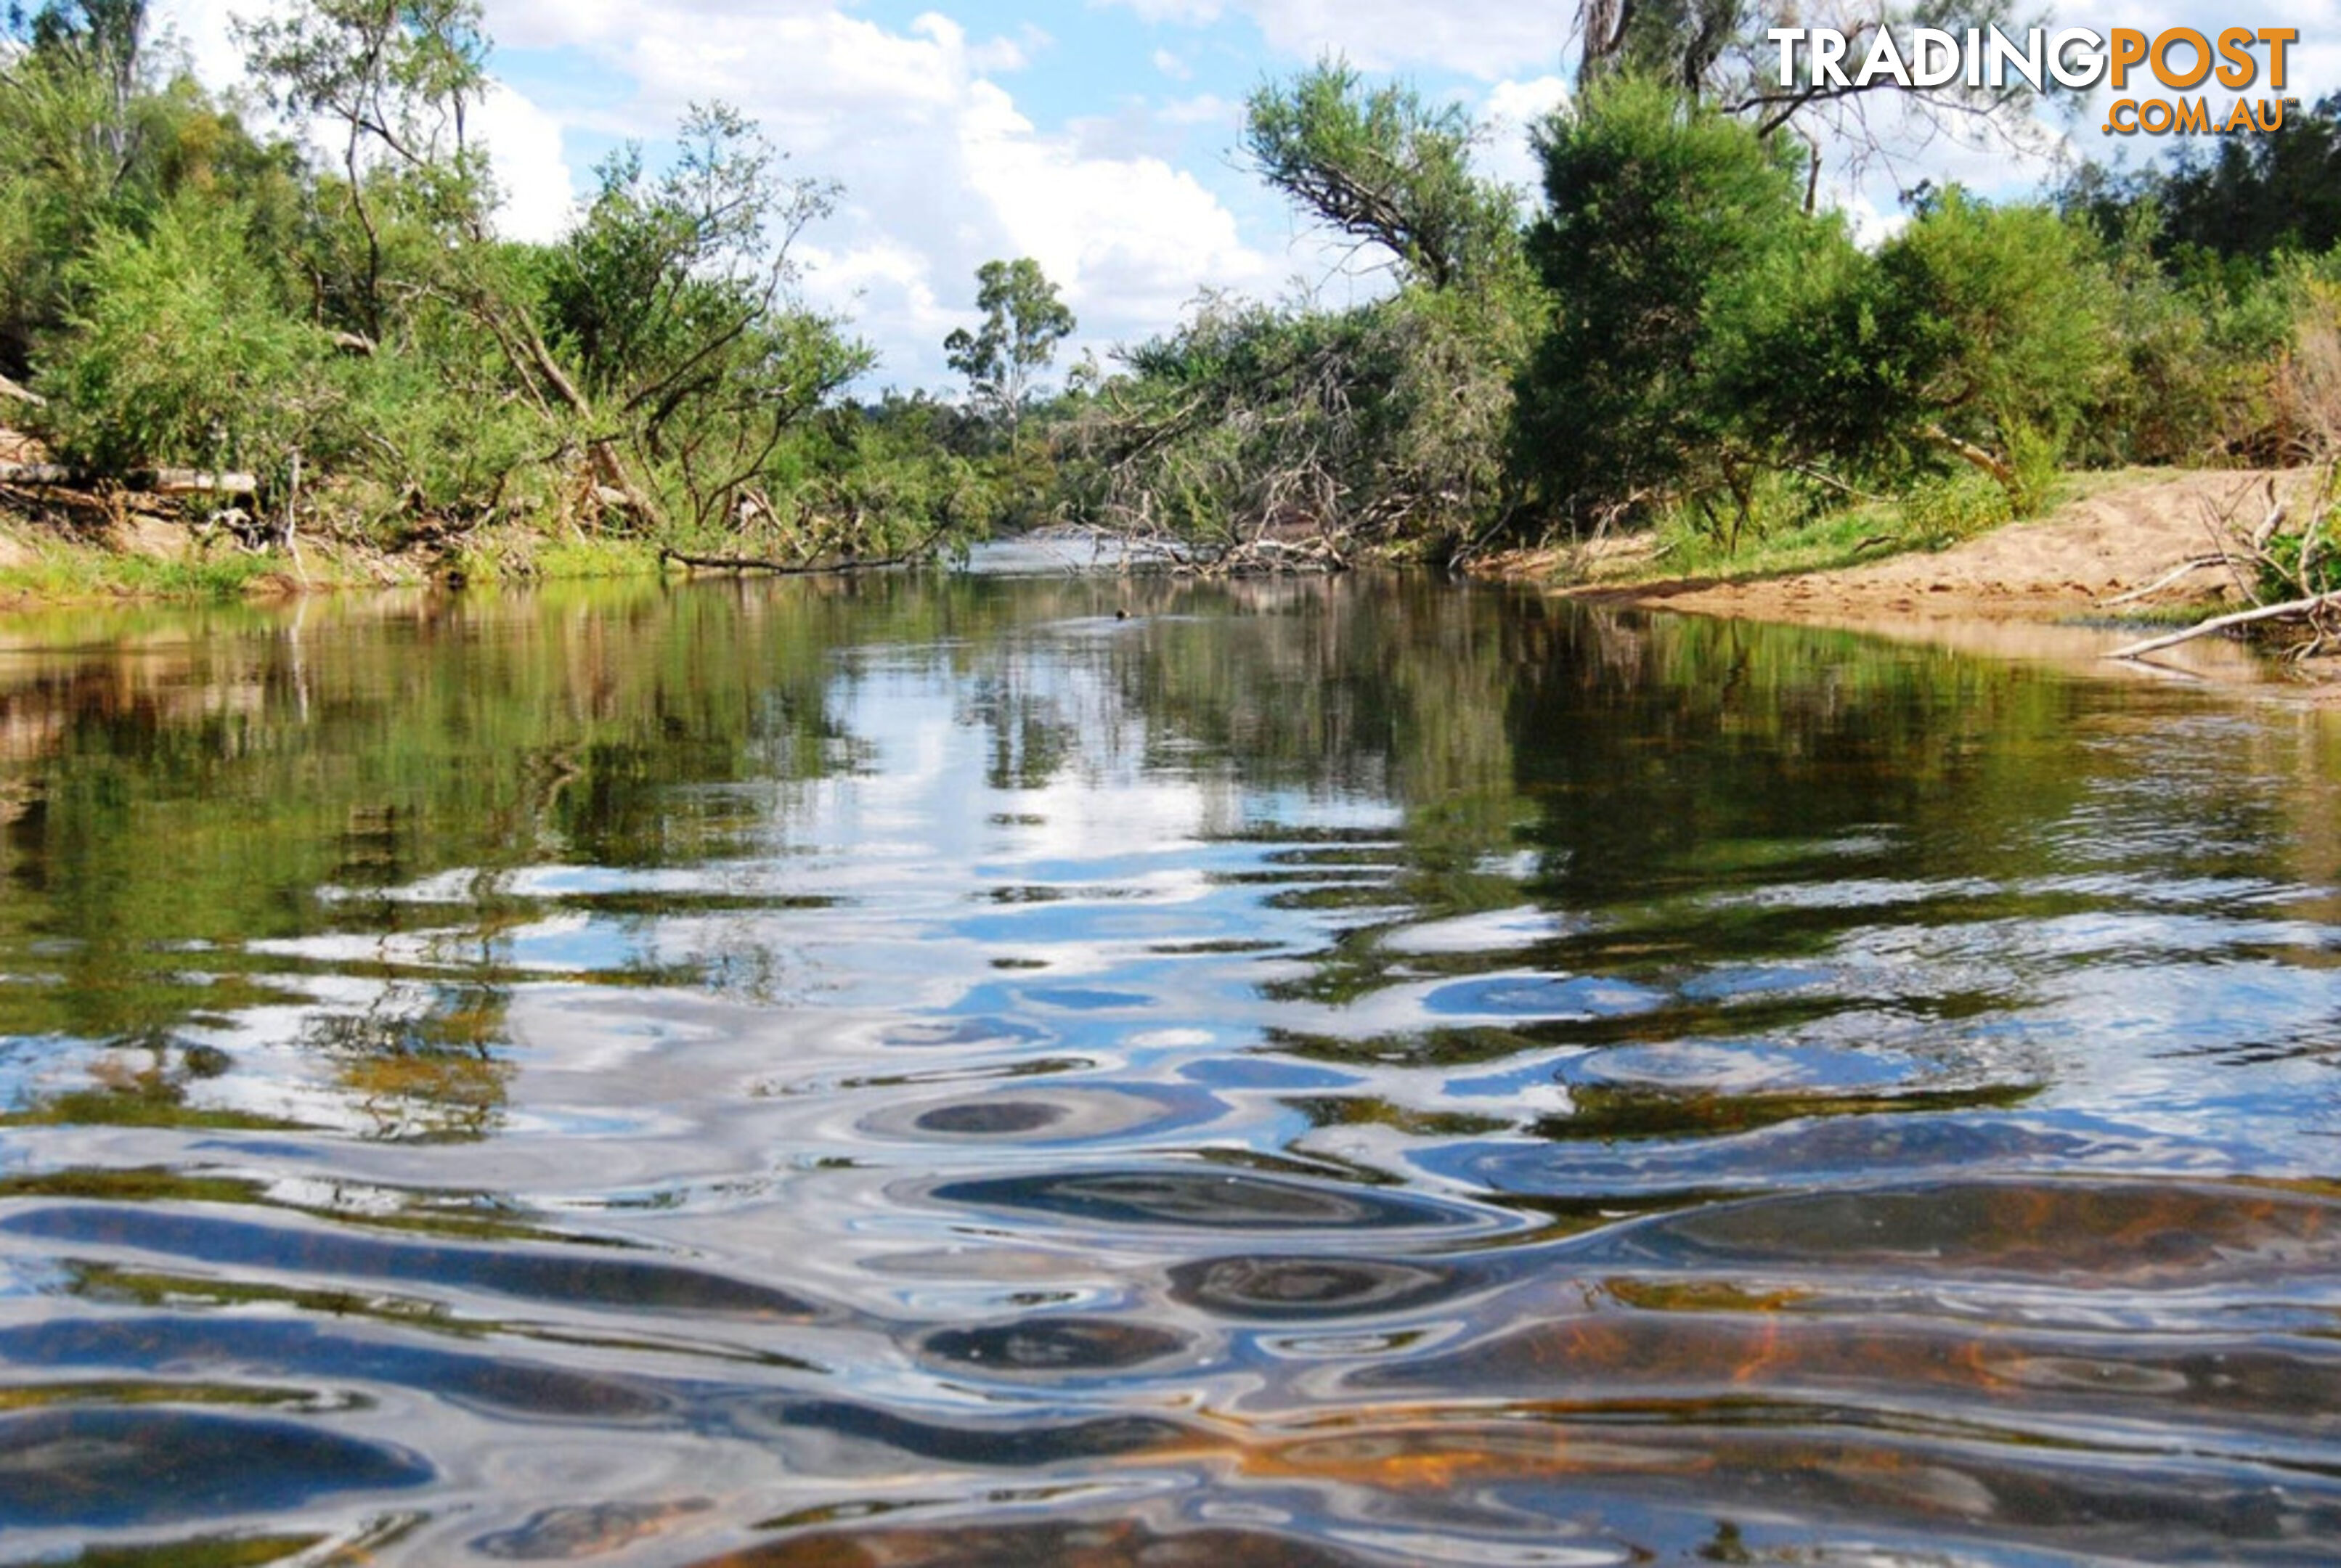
(1970, 453)
(2197, 563)
(160, 481)
(22, 394)
(2220, 623)
(193, 481)
(795, 568)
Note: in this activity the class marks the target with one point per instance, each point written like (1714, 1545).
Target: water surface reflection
(1364, 1072)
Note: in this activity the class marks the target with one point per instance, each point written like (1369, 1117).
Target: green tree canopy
(1658, 209)
(2000, 317)
(2249, 198)
(1023, 323)
(1385, 168)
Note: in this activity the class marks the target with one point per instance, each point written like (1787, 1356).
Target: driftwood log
(2303, 607)
(814, 568)
(158, 480)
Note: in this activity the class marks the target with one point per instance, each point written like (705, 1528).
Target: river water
(929, 1071)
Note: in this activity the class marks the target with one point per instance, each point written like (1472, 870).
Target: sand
(2030, 590)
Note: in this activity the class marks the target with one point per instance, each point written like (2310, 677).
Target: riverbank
(2068, 587)
(63, 547)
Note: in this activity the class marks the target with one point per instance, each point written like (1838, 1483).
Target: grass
(69, 572)
(557, 558)
(523, 555)
(59, 570)
(1794, 530)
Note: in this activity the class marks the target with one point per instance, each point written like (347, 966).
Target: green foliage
(1385, 168)
(69, 572)
(2304, 558)
(1940, 512)
(1707, 331)
(62, 162)
(879, 480)
(180, 351)
(2248, 200)
(2036, 460)
(1023, 323)
(1385, 422)
(2001, 318)
(1676, 337)
(1254, 424)
(2198, 350)
(1657, 211)
(397, 81)
(433, 431)
(1799, 361)
(670, 302)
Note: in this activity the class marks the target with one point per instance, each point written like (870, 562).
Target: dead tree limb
(2198, 564)
(160, 481)
(1969, 453)
(2309, 606)
(796, 567)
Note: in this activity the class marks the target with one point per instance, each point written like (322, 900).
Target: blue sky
(1097, 135)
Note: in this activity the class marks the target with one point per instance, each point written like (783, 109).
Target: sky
(1097, 136)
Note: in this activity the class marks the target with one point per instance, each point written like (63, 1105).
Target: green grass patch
(561, 559)
(1797, 526)
(66, 572)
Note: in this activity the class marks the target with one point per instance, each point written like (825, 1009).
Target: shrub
(178, 351)
(1940, 513)
(2001, 321)
(1657, 209)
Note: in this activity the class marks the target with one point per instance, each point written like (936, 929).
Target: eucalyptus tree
(1721, 54)
(1023, 321)
(394, 83)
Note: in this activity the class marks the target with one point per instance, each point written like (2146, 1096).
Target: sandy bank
(2034, 590)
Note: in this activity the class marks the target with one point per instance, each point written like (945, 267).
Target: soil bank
(2032, 591)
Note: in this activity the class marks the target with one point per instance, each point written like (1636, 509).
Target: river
(932, 1070)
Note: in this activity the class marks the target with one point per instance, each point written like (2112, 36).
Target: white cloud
(942, 169)
(1511, 111)
(205, 30)
(532, 177)
(534, 180)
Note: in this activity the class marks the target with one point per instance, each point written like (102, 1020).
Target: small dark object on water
(1122, 615)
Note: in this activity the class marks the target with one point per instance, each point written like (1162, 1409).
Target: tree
(1023, 323)
(182, 351)
(1659, 208)
(69, 150)
(1720, 53)
(2249, 198)
(1384, 168)
(2000, 319)
(399, 79)
(671, 302)
(105, 38)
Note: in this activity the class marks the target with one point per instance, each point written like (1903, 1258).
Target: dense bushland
(1669, 331)
(176, 289)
